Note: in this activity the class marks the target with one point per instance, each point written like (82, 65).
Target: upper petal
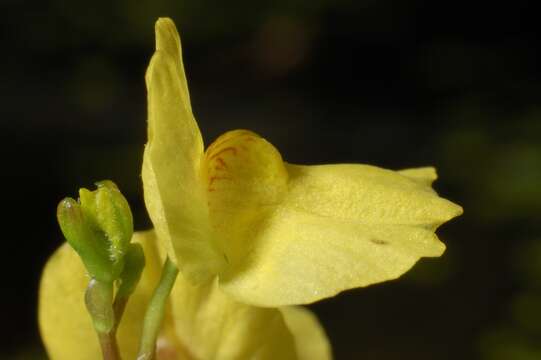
(339, 227)
(174, 194)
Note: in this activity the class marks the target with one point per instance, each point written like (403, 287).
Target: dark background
(391, 83)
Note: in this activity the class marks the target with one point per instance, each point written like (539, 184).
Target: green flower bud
(99, 228)
(84, 239)
(110, 212)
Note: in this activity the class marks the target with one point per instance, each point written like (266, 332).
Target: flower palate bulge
(245, 175)
(275, 233)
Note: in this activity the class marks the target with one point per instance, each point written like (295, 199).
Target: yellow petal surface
(339, 227)
(213, 326)
(310, 339)
(175, 196)
(65, 326)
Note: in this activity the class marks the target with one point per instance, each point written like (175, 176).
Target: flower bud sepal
(99, 227)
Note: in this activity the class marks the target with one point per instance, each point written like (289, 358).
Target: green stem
(156, 311)
(109, 347)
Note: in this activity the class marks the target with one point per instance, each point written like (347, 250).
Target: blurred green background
(392, 83)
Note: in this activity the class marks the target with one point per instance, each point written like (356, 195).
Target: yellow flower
(201, 321)
(275, 233)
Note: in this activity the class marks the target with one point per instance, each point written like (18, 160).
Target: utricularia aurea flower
(275, 233)
(251, 234)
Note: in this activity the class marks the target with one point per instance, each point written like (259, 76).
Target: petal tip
(167, 37)
(163, 25)
(453, 210)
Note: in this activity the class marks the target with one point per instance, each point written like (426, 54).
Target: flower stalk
(109, 347)
(156, 311)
